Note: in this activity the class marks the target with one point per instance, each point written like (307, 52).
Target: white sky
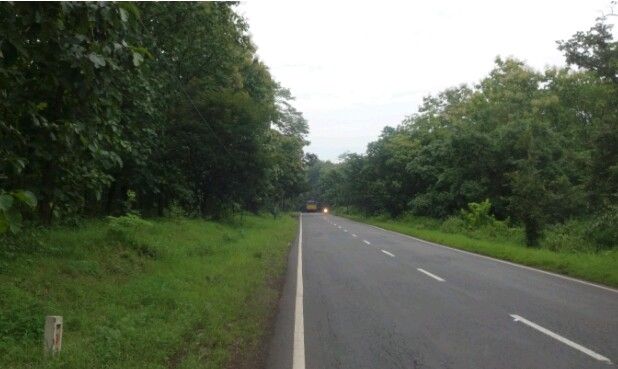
(356, 67)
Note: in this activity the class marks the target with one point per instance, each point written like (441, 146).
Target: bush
(569, 236)
(494, 230)
(175, 210)
(127, 222)
(433, 204)
(604, 228)
(417, 221)
(500, 230)
(12, 205)
(122, 230)
(478, 214)
(453, 225)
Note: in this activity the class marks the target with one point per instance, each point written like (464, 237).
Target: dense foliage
(542, 148)
(167, 102)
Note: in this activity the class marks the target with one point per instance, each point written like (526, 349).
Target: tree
(165, 101)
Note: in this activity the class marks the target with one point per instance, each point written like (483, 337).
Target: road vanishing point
(357, 296)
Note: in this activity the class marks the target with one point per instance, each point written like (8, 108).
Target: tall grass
(166, 294)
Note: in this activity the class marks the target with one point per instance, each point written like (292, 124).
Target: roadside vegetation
(167, 105)
(533, 153)
(162, 293)
(138, 144)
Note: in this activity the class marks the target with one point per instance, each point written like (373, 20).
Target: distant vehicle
(311, 206)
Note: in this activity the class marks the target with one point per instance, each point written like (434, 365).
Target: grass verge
(171, 294)
(600, 267)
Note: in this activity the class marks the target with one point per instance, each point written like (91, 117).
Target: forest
(521, 148)
(153, 108)
(147, 160)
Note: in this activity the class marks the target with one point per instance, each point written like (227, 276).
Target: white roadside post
(53, 334)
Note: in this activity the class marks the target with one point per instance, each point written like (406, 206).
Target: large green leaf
(15, 227)
(26, 197)
(6, 201)
(13, 218)
(97, 60)
(137, 59)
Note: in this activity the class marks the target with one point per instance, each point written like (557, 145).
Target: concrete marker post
(53, 334)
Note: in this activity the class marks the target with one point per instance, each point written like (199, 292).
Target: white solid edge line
(499, 260)
(298, 353)
(367, 242)
(430, 274)
(387, 253)
(556, 336)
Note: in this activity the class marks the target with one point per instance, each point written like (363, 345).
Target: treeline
(542, 147)
(110, 106)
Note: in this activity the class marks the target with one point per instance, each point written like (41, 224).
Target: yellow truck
(311, 206)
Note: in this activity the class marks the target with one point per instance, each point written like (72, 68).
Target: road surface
(362, 297)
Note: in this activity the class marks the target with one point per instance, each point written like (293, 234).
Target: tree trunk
(47, 189)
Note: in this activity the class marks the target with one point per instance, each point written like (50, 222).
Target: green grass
(595, 266)
(175, 294)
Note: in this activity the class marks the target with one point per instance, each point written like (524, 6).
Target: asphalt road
(370, 298)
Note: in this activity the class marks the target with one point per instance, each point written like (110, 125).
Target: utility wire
(214, 133)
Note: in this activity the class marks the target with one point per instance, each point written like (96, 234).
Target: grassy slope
(184, 294)
(601, 267)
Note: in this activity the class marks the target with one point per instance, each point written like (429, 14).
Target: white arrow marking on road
(388, 253)
(298, 353)
(558, 337)
(430, 274)
(367, 242)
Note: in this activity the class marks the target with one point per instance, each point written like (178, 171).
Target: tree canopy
(542, 147)
(166, 101)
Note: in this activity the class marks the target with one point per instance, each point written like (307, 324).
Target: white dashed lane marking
(388, 253)
(430, 274)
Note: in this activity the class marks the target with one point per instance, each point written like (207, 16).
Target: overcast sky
(356, 67)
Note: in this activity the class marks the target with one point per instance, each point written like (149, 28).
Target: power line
(202, 117)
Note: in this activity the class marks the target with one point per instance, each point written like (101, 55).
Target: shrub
(478, 214)
(122, 229)
(569, 236)
(499, 230)
(130, 202)
(604, 228)
(127, 222)
(453, 225)
(175, 210)
(11, 207)
(417, 221)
